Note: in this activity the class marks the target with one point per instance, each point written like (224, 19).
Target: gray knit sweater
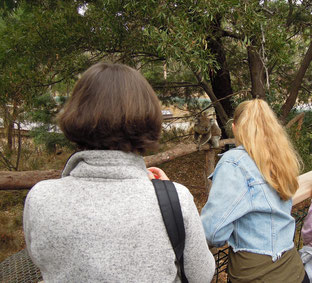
(101, 223)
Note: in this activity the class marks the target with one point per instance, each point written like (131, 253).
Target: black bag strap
(170, 208)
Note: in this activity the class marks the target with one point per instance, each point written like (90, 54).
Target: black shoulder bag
(169, 204)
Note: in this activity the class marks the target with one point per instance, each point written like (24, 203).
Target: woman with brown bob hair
(112, 107)
(101, 221)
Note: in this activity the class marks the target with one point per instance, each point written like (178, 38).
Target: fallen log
(22, 180)
(178, 151)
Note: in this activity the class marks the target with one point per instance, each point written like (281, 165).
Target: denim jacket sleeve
(229, 199)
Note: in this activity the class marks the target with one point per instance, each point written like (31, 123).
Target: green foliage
(45, 45)
(302, 141)
(55, 42)
(43, 109)
(174, 135)
(50, 140)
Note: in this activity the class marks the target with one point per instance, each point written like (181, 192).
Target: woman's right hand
(157, 173)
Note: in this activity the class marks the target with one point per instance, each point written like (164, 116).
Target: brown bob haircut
(112, 106)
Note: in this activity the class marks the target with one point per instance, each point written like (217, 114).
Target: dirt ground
(189, 170)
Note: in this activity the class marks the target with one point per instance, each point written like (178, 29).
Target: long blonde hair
(257, 128)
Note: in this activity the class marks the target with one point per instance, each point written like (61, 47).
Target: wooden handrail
(305, 188)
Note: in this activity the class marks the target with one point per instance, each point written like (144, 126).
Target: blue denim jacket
(245, 211)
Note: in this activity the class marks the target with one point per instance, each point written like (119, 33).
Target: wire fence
(19, 268)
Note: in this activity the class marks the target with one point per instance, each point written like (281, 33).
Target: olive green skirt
(251, 267)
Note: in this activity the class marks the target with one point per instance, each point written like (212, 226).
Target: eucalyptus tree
(215, 43)
(224, 48)
(30, 68)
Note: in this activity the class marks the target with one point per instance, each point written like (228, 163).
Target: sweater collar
(105, 164)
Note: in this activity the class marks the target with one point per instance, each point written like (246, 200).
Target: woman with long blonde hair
(249, 205)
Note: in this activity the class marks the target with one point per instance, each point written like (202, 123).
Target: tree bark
(26, 179)
(257, 73)
(295, 86)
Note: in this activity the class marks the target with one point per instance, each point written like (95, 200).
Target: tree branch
(176, 85)
(290, 13)
(232, 35)
(296, 84)
(222, 114)
(294, 120)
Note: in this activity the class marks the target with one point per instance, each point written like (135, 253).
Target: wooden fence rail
(305, 188)
(22, 180)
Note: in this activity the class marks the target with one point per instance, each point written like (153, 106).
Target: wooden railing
(305, 188)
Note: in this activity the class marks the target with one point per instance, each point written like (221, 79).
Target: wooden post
(209, 167)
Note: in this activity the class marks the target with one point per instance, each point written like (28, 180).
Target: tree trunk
(27, 179)
(8, 129)
(257, 73)
(220, 79)
(19, 145)
(296, 84)
(223, 117)
(9, 120)
(9, 132)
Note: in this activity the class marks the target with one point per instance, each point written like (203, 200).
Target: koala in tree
(206, 129)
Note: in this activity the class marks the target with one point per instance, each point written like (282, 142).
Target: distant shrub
(50, 140)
